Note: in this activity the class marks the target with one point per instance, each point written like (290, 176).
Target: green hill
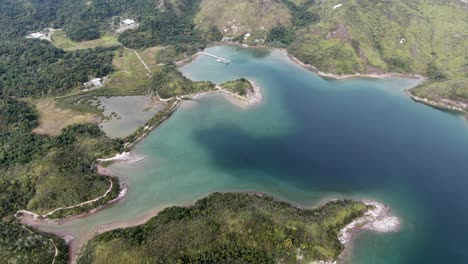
(41, 173)
(426, 37)
(235, 18)
(230, 228)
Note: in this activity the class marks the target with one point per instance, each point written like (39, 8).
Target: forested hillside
(169, 82)
(229, 228)
(36, 68)
(40, 173)
(21, 245)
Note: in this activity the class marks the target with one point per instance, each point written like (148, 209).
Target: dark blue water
(310, 139)
(357, 136)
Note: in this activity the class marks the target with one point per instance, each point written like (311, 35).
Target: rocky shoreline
(251, 98)
(445, 104)
(350, 76)
(378, 219)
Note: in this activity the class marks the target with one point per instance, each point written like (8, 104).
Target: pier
(218, 59)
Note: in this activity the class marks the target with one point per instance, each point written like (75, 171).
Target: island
(244, 90)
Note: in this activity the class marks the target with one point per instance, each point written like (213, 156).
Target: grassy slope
(229, 228)
(434, 32)
(363, 36)
(378, 26)
(131, 75)
(256, 16)
(60, 40)
(52, 119)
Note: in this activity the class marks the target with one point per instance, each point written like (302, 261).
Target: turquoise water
(309, 140)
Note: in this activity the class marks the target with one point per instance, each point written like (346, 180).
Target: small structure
(337, 6)
(246, 36)
(93, 83)
(218, 59)
(128, 22)
(45, 34)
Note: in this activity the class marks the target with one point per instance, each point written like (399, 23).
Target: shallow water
(309, 140)
(126, 113)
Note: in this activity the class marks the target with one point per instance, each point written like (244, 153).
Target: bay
(309, 140)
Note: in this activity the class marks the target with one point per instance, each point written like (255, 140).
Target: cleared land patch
(60, 40)
(130, 77)
(52, 119)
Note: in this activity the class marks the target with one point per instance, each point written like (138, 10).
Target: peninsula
(58, 57)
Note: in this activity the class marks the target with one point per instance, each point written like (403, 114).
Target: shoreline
(334, 76)
(444, 104)
(147, 129)
(378, 219)
(30, 219)
(325, 75)
(74, 248)
(252, 98)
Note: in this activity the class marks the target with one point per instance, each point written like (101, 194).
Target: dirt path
(144, 64)
(65, 208)
(50, 239)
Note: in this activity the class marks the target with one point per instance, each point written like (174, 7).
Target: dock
(218, 59)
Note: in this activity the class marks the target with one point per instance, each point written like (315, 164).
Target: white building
(93, 83)
(128, 22)
(45, 34)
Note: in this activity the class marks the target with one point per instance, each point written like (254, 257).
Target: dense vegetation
(229, 228)
(172, 25)
(33, 67)
(175, 53)
(169, 82)
(41, 173)
(280, 36)
(300, 14)
(240, 86)
(20, 245)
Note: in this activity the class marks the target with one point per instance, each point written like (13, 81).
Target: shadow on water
(337, 146)
(333, 154)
